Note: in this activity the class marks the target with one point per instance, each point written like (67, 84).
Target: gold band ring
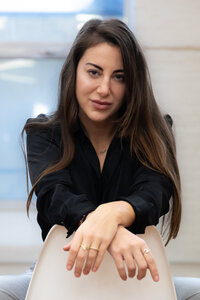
(83, 246)
(94, 248)
(145, 251)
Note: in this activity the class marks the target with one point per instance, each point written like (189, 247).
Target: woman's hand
(92, 238)
(127, 248)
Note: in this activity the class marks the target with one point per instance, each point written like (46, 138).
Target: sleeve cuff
(142, 216)
(72, 226)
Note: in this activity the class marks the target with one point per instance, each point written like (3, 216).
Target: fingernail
(156, 278)
(94, 269)
(69, 267)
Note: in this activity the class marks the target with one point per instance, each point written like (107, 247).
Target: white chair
(51, 280)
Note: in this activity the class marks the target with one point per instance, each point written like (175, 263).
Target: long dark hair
(139, 119)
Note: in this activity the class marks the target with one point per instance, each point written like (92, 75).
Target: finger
(118, 259)
(130, 263)
(141, 264)
(73, 252)
(152, 265)
(99, 257)
(92, 254)
(67, 247)
(80, 259)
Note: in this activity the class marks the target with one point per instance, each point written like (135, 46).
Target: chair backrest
(52, 281)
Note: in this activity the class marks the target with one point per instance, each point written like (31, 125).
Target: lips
(101, 102)
(102, 105)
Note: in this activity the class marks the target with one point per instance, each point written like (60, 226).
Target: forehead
(104, 55)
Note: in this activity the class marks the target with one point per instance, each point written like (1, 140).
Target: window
(33, 44)
(28, 87)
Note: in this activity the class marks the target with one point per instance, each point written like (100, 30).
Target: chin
(98, 117)
(98, 120)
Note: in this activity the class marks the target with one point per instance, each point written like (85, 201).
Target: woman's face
(100, 85)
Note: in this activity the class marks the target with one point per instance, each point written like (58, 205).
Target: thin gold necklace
(103, 151)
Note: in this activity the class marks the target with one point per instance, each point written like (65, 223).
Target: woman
(104, 164)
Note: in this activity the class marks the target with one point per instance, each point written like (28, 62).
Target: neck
(99, 133)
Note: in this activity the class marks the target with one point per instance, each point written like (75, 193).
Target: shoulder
(41, 122)
(39, 118)
(43, 126)
(168, 120)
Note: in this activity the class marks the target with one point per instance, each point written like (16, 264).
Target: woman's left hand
(128, 249)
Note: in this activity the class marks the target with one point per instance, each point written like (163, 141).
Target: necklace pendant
(103, 151)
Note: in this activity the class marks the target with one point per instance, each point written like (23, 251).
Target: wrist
(84, 217)
(120, 212)
(126, 213)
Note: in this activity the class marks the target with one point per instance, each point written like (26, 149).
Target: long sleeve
(149, 196)
(56, 203)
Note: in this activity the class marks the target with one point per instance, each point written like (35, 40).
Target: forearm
(120, 211)
(57, 204)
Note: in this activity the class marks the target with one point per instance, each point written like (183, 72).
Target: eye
(93, 73)
(119, 77)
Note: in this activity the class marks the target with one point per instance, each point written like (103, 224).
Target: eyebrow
(100, 68)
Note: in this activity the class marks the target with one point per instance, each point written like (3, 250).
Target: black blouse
(63, 197)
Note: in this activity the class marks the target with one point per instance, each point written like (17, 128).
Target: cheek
(78, 85)
(83, 85)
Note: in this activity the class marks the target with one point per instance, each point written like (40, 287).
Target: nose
(104, 87)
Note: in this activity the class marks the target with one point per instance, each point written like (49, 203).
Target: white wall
(169, 34)
(20, 238)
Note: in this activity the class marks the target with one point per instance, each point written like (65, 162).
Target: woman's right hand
(127, 248)
(91, 240)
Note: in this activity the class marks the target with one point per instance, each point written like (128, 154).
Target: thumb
(67, 247)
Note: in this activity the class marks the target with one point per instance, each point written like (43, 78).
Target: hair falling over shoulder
(139, 118)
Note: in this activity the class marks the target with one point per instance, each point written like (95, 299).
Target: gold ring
(145, 251)
(83, 246)
(94, 248)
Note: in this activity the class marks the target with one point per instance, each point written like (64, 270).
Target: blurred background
(35, 37)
